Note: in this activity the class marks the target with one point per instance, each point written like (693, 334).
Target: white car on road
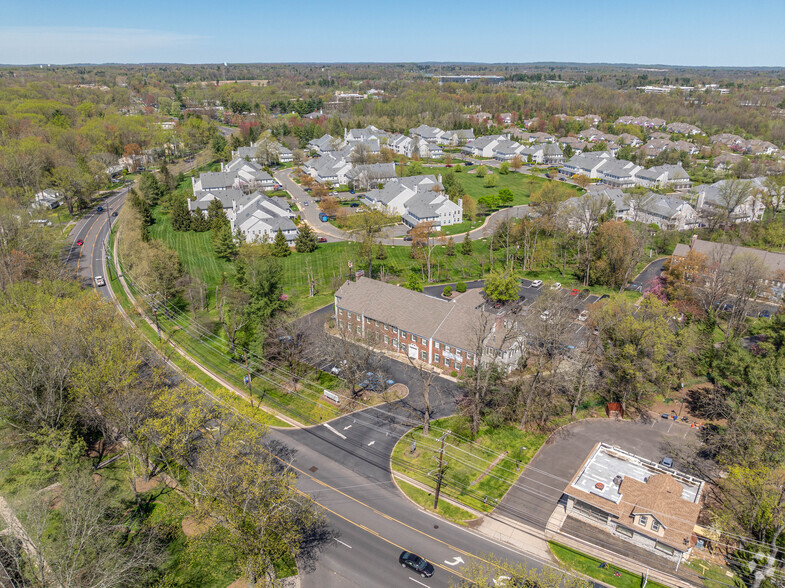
(99, 281)
(536, 284)
(556, 286)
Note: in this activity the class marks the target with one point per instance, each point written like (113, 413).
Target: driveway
(309, 211)
(535, 495)
(652, 271)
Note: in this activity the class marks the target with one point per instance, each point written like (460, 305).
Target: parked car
(322, 240)
(667, 462)
(416, 563)
(574, 292)
(762, 314)
(79, 242)
(306, 203)
(354, 205)
(407, 238)
(99, 281)
(546, 314)
(556, 286)
(537, 284)
(583, 315)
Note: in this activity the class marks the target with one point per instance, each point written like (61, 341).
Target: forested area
(117, 471)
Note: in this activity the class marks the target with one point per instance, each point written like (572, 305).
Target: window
(403, 334)
(447, 361)
(624, 531)
(436, 358)
(446, 348)
(340, 312)
(436, 345)
(348, 314)
(424, 340)
(643, 520)
(664, 548)
(386, 340)
(386, 327)
(424, 355)
(340, 324)
(359, 330)
(468, 355)
(458, 353)
(395, 329)
(403, 348)
(655, 526)
(458, 367)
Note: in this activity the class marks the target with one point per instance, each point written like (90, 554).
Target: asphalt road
(350, 478)
(92, 229)
(309, 210)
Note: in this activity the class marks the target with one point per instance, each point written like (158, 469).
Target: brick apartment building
(447, 334)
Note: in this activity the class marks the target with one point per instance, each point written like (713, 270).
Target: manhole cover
(436, 526)
(313, 468)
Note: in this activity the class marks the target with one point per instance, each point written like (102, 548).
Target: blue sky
(685, 32)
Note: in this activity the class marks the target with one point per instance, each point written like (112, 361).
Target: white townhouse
(259, 217)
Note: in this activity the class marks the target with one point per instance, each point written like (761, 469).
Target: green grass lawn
(425, 500)
(521, 185)
(591, 567)
(463, 227)
(466, 461)
(714, 576)
(195, 250)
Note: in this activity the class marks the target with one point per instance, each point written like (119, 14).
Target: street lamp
(518, 464)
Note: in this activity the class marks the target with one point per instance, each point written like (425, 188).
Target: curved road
(309, 211)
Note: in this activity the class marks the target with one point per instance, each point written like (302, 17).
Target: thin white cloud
(20, 45)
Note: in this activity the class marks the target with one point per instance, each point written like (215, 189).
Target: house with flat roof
(448, 334)
(637, 500)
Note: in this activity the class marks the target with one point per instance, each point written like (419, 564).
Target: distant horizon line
(458, 63)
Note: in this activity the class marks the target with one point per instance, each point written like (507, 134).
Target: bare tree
(354, 353)
(427, 239)
(427, 376)
(584, 214)
(731, 196)
(81, 539)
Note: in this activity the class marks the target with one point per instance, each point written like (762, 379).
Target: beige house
(636, 499)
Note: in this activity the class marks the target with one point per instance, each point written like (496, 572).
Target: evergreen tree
(280, 246)
(381, 251)
(216, 215)
(199, 222)
(150, 188)
(306, 240)
(180, 217)
(449, 249)
(167, 180)
(466, 246)
(223, 243)
(142, 207)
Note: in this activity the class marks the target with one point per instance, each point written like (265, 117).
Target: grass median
(477, 473)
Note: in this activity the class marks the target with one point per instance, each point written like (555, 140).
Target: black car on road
(416, 563)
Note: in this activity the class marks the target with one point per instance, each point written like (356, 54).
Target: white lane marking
(454, 561)
(371, 443)
(347, 427)
(417, 581)
(341, 435)
(344, 544)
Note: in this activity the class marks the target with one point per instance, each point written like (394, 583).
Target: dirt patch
(192, 527)
(143, 485)
(685, 406)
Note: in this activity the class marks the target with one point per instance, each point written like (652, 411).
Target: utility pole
(155, 314)
(441, 472)
(248, 377)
